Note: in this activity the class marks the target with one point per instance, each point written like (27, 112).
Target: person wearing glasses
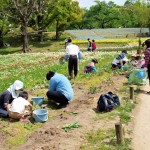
(8, 96)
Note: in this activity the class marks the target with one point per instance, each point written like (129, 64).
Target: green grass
(18, 131)
(32, 68)
(103, 140)
(51, 45)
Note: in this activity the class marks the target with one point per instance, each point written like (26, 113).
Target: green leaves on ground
(68, 127)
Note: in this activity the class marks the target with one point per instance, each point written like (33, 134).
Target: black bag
(107, 102)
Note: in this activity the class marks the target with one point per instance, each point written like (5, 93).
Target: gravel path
(141, 131)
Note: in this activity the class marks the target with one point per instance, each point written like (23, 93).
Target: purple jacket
(147, 57)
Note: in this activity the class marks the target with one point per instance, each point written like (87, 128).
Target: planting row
(31, 69)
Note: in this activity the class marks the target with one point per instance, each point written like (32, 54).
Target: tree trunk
(57, 31)
(40, 36)
(1, 39)
(140, 42)
(102, 25)
(25, 38)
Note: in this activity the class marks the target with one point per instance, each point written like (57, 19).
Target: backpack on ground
(107, 102)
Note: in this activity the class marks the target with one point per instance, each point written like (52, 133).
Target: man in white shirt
(72, 50)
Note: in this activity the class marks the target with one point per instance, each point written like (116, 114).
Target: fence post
(119, 133)
(132, 92)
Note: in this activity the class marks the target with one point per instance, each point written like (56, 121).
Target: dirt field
(81, 109)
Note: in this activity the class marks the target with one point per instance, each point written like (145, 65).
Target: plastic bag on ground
(138, 76)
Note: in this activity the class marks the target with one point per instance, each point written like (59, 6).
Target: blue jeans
(3, 112)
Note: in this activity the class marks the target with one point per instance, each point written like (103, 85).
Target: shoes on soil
(70, 78)
(64, 105)
(147, 92)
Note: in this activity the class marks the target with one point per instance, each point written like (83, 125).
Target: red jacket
(93, 45)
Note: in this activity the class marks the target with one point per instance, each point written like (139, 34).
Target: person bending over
(120, 60)
(90, 67)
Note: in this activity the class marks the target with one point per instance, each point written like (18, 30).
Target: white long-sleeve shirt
(72, 49)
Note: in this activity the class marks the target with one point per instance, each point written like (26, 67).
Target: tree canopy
(41, 15)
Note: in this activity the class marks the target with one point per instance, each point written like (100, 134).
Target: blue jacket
(60, 83)
(121, 56)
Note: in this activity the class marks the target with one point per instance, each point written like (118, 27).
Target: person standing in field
(89, 45)
(72, 51)
(93, 45)
(66, 41)
(147, 59)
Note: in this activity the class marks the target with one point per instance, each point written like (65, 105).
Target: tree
(64, 13)
(4, 22)
(103, 13)
(76, 16)
(21, 11)
(127, 16)
(42, 18)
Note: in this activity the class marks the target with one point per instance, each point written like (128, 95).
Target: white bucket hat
(17, 85)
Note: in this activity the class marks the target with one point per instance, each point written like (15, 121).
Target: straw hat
(95, 60)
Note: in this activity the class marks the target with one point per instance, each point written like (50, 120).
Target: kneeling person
(60, 89)
(20, 107)
(120, 60)
(90, 67)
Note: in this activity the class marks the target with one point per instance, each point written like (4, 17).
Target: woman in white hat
(8, 96)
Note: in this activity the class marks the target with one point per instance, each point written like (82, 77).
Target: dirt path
(141, 130)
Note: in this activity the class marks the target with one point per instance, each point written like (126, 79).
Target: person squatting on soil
(133, 62)
(20, 107)
(137, 61)
(147, 59)
(90, 67)
(140, 62)
(60, 89)
(120, 60)
(8, 96)
(72, 51)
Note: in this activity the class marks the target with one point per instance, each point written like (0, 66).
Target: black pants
(73, 65)
(148, 71)
(58, 97)
(118, 65)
